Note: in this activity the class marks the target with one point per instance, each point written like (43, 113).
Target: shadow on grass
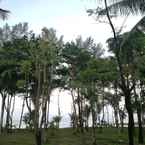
(110, 141)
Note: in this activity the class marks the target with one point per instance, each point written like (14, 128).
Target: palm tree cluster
(33, 66)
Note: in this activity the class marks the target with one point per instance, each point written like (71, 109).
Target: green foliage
(28, 120)
(54, 124)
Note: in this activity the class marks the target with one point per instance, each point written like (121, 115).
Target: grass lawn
(110, 136)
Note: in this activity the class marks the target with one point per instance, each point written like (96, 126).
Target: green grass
(110, 136)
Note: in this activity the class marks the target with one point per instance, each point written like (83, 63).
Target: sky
(70, 19)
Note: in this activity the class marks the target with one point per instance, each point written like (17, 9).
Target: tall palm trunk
(116, 105)
(130, 118)
(80, 111)
(12, 112)
(140, 127)
(8, 113)
(94, 124)
(121, 116)
(116, 117)
(59, 113)
(38, 131)
(103, 104)
(2, 111)
(125, 87)
(139, 117)
(44, 95)
(23, 105)
(103, 101)
(75, 123)
(47, 113)
(107, 110)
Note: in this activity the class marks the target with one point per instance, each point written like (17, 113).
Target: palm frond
(123, 7)
(138, 28)
(4, 14)
(137, 31)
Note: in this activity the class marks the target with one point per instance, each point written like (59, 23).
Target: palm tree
(4, 14)
(123, 7)
(120, 7)
(114, 8)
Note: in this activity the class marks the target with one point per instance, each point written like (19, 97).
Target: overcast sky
(68, 17)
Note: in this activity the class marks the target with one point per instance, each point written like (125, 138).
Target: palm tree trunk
(116, 117)
(139, 117)
(140, 128)
(47, 114)
(75, 124)
(103, 117)
(94, 125)
(80, 111)
(130, 118)
(2, 112)
(108, 121)
(12, 112)
(121, 116)
(38, 131)
(8, 114)
(125, 88)
(8, 117)
(23, 105)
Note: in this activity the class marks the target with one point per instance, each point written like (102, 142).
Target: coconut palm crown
(120, 7)
(4, 14)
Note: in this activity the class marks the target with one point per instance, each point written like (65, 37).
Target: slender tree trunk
(47, 114)
(12, 112)
(93, 125)
(103, 104)
(38, 131)
(59, 113)
(140, 128)
(121, 116)
(43, 119)
(8, 114)
(103, 117)
(28, 104)
(116, 105)
(23, 105)
(125, 88)
(130, 119)
(116, 117)
(93, 119)
(139, 117)
(74, 110)
(48, 96)
(80, 111)
(108, 122)
(44, 96)
(122, 125)
(113, 118)
(2, 112)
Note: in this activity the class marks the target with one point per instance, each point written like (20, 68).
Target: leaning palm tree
(124, 7)
(120, 7)
(4, 14)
